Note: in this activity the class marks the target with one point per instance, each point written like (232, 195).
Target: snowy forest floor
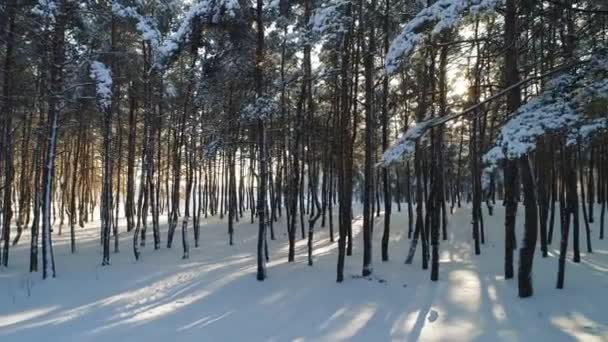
(214, 295)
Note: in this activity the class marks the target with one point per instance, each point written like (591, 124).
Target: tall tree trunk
(54, 107)
(73, 186)
(261, 141)
(345, 152)
(526, 252)
(511, 73)
(130, 191)
(6, 113)
(368, 50)
(385, 126)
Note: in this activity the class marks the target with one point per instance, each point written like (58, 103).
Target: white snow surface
(214, 296)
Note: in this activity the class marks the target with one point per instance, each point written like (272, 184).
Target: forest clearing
(214, 295)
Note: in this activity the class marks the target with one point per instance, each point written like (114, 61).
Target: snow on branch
(145, 25)
(406, 144)
(262, 108)
(103, 84)
(203, 12)
(330, 17)
(565, 108)
(280, 7)
(441, 15)
(403, 148)
(46, 9)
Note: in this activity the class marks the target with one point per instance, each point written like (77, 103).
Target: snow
(562, 109)
(103, 83)
(232, 7)
(170, 89)
(262, 108)
(330, 18)
(202, 12)
(145, 25)
(274, 5)
(46, 9)
(441, 15)
(214, 296)
(405, 146)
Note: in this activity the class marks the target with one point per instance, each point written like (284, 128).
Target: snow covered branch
(103, 84)
(145, 25)
(203, 12)
(330, 17)
(404, 147)
(438, 17)
(262, 108)
(406, 144)
(565, 108)
(46, 9)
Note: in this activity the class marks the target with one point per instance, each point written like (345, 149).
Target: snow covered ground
(214, 296)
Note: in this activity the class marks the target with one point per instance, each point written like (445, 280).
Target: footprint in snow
(433, 315)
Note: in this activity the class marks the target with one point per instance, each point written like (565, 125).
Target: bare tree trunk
(385, 127)
(368, 51)
(73, 186)
(261, 141)
(6, 120)
(345, 152)
(54, 108)
(513, 102)
(526, 252)
(130, 191)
